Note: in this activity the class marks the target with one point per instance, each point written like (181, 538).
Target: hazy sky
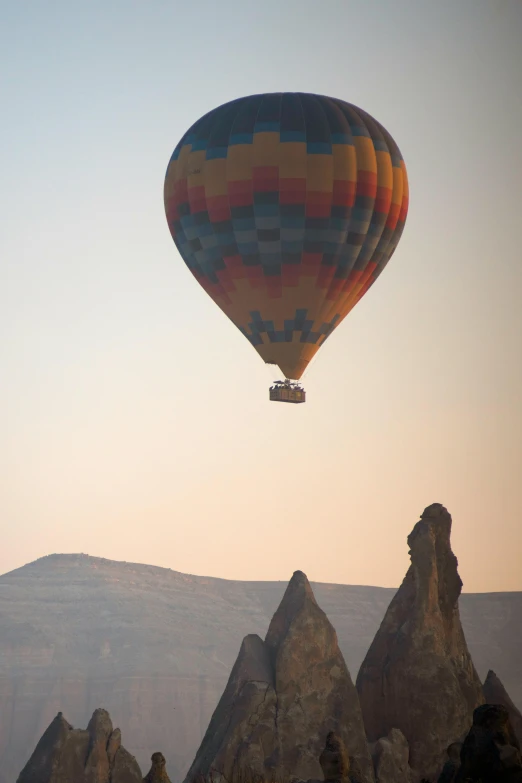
(135, 422)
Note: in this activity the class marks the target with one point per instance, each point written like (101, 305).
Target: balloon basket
(287, 391)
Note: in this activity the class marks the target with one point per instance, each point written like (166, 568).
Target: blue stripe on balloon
(199, 144)
(266, 210)
(341, 138)
(216, 152)
(294, 135)
(319, 148)
(241, 138)
(267, 126)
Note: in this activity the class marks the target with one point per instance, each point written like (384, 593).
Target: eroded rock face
(390, 759)
(55, 757)
(452, 765)
(334, 759)
(94, 755)
(418, 675)
(158, 770)
(495, 693)
(97, 767)
(283, 698)
(243, 718)
(126, 769)
(491, 752)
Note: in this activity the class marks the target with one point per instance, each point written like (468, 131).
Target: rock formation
(495, 693)
(452, 765)
(491, 752)
(67, 755)
(334, 759)
(79, 631)
(283, 697)
(418, 675)
(390, 758)
(158, 770)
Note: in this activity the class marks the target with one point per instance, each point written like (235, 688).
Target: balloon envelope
(286, 207)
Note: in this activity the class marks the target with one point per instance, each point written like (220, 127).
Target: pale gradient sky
(135, 423)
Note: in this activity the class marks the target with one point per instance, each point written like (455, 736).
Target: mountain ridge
(95, 560)
(204, 578)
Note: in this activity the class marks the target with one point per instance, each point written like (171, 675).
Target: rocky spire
(158, 770)
(246, 711)
(95, 755)
(490, 753)
(334, 760)
(297, 596)
(495, 693)
(418, 675)
(283, 698)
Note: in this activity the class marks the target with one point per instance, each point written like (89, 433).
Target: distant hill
(155, 647)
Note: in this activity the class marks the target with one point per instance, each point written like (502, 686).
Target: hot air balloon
(286, 207)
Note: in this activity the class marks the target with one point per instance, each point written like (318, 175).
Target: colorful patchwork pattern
(286, 207)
